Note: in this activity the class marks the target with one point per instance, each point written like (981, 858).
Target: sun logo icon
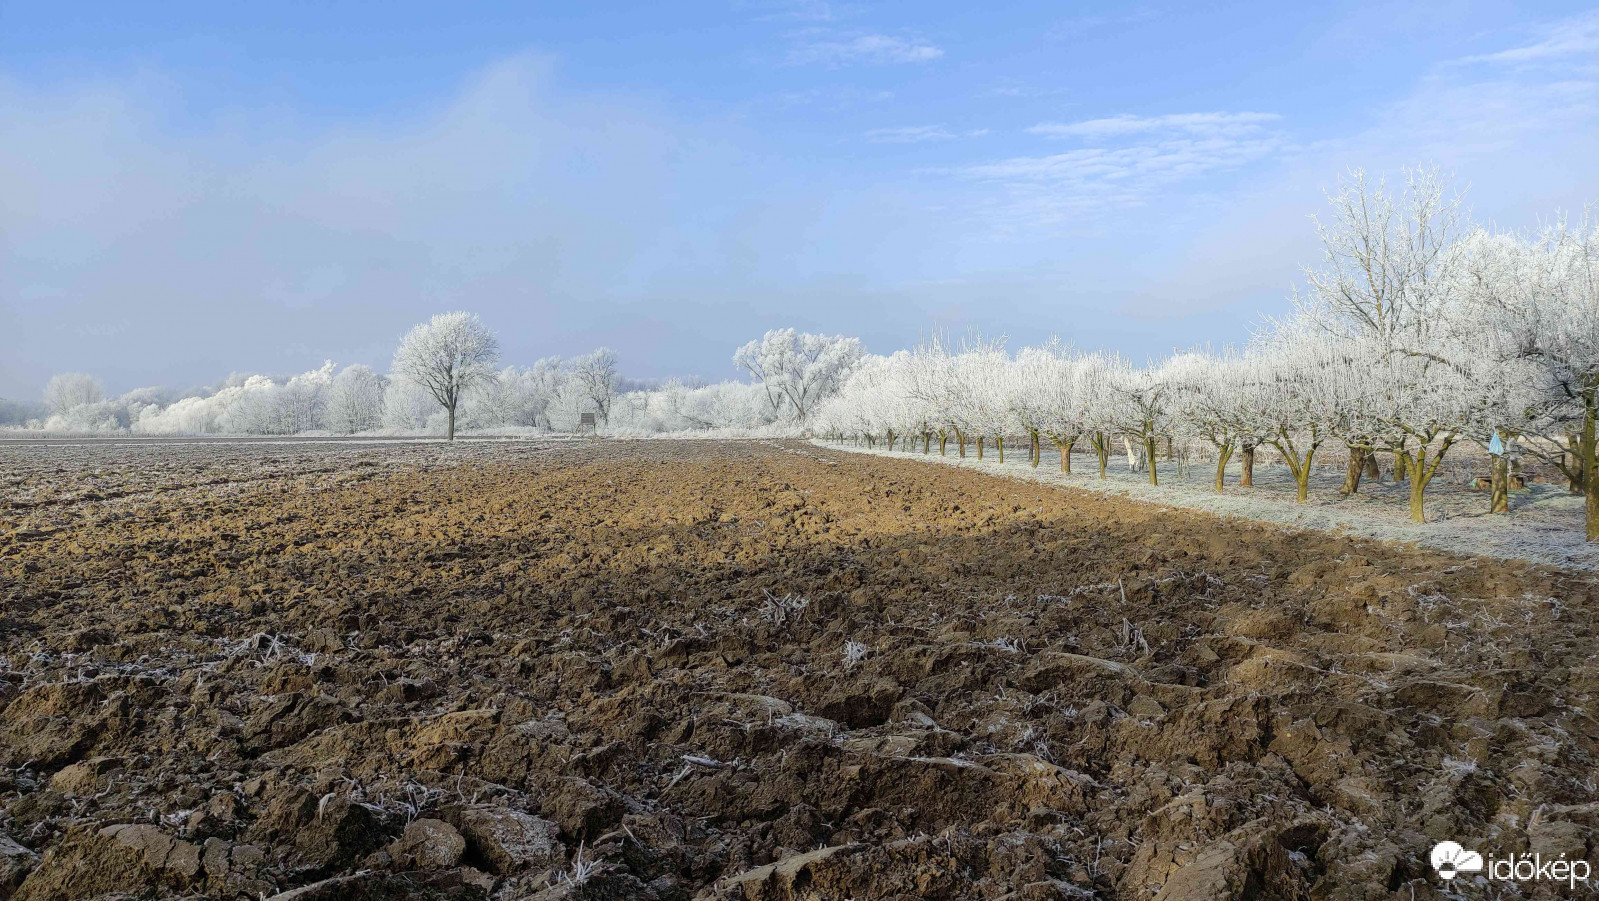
(1450, 860)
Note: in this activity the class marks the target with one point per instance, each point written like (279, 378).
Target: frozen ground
(754, 670)
(1545, 524)
(502, 433)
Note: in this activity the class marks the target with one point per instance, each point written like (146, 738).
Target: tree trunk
(1571, 464)
(1223, 454)
(1590, 461)
(1149, 454)
(1353, 470)
(1065, 448)
(1421, 473)
(943, 439)
(1168, 449)
(1418, 487)
(1299, 468)
(1372, 471)
(1038, 448)
(1246, 465)
(1101, 443)
(960, 442)
(999, 442)
(979, 447)
(452, 423)
(1499, 484)
(1400, 473)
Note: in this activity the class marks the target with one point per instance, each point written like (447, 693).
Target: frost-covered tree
(1027, 380)
(302, 401)
(1282, 390)
(1141, 408)
(520, 396)
(904, 416)
(257, 405)
(877, 406)
(854, 409)
(595, 379)
(104, 416)
(978, 375)
(186, 415)
(1537, 305)
(409, 407)
(1099, 374)
(1053, 393)
(724, 405)
(72, 389)
(446, 357)
(930, 381)
(545, 380)
(880, 400)
(1385, 280)
(1205, 402)
(75, 402)
(245, 405)
(798, 370)
(354, 400)
(1294, 382)
(1384, 256)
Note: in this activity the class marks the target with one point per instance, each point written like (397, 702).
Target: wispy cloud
(1098, 175)
(868, 49)
(1576, 36)
(1127, 124)
(1516, 126)
(1132, 159)
(1496, 102)
(915, 134)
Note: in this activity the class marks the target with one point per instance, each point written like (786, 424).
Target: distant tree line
(447, 375)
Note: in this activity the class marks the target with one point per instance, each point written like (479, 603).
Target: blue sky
(191, 189)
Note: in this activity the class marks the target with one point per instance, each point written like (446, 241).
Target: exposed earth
(674, 670)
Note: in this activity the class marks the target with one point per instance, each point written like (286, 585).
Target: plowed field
(673, 670)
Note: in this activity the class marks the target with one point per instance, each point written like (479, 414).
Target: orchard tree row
(1416, 333)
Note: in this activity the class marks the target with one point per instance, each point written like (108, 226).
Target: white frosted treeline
(449, 361)
(798, 371)
(1417, 333)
